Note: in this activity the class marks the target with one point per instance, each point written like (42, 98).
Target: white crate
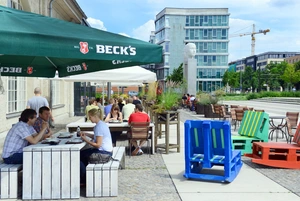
(9, 180)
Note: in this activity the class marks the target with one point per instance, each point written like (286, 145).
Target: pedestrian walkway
(249, 184)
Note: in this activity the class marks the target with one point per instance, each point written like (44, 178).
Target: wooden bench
(9, 180)
(102, 179)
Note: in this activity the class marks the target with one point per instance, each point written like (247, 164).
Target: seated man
(128, 109)
(44, 115)
(20, 135)
(138, 116)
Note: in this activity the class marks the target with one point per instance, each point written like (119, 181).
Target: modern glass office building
(208, 29)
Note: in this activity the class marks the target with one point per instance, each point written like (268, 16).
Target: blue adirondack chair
(208, 144)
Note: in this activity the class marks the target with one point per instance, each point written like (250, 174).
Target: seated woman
(114, 115)
(101, 142)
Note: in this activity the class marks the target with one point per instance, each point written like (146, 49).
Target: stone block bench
(102, 179)
(9, 180)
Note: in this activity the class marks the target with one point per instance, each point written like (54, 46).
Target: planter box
(200, 108)
(208, 113)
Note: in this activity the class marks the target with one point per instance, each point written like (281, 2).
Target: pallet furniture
(276, 154)
(208, 143)
(9, 180)
(296, 135)
(52, 171)
(102, 179)
(254, 128)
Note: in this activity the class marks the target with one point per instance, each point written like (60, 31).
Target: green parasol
(34, 45)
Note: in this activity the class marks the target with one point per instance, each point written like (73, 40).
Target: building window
(16, 4)
(55, 92)
(16, 91)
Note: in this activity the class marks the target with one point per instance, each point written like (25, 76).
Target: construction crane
(252, 37)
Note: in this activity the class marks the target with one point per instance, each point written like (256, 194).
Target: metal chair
(138, 131)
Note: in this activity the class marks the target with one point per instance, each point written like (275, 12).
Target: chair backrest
(233, 113)
(293, 118)
(217, 109)
(223, 111)
(239, 114)
(234, 106)
(289, 127)
(212, 108)
(139, 130)
(259, 110)
(255, 124)
(296, 138)
(209, 138)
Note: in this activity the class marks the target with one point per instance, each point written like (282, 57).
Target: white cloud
(95, 23)
(143, 32)
(124, 34)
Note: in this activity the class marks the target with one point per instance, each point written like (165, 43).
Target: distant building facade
(260, 61)
(208, 29)
(293, 59)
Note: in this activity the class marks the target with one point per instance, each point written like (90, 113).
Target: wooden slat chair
(223, 114)
(293, 135)
(233, 116)
(138, 131)
(217, 110)
(208, 143)
(254, 128)
(293, 118)
(239, 112)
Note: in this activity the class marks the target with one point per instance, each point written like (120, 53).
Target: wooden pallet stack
(254, 128)
(276, 154)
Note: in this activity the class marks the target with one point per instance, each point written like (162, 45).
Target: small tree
(177, 75)
(290, 75)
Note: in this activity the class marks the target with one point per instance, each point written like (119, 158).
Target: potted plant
(205, 104)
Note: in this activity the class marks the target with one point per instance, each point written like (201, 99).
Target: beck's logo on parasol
(29, 70)
(84, 47)
(84, 66)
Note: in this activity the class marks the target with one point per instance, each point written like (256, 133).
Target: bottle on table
(78, 131)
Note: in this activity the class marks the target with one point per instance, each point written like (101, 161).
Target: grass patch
(233, 98)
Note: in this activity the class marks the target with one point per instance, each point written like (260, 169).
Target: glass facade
(206, 34)
(206, 20)
(208, 86)
(210, 72)
(176, 27)
(211, 60)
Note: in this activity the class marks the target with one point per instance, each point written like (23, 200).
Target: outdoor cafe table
(52, 171)
(86, 126)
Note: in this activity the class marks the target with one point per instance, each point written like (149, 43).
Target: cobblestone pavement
(287, 178)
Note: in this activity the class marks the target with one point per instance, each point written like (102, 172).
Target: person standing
(20, 135)
(138, 116)
(37, 101)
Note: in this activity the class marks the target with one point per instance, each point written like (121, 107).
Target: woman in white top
(101, 142)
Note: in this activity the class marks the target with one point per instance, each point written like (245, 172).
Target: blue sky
(135, 18)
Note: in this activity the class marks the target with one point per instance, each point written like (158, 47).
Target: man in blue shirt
(20, 135)
(107, 108)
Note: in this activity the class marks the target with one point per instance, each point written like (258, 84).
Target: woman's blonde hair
(96, 112)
